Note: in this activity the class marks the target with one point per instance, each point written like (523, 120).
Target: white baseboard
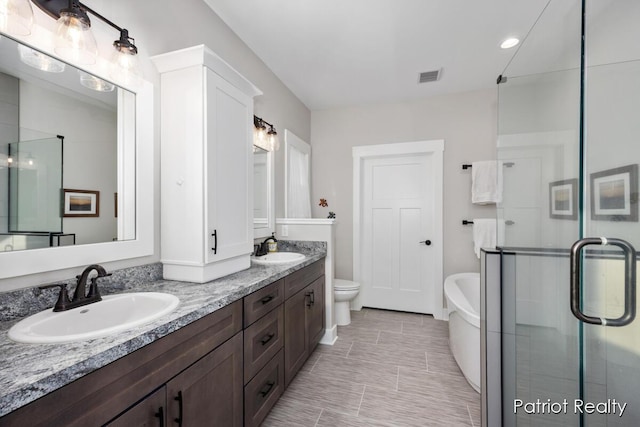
(330, 336)
(443, 316)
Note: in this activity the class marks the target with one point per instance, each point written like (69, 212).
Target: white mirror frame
(261, 232)
(135, 165)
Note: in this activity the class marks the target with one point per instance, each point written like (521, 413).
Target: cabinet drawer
(263, 301)
(264, 391)
(301, 278)
(262, 341)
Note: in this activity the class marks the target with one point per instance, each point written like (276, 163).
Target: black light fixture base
(52, 7)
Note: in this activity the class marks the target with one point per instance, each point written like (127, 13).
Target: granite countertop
(29, 371)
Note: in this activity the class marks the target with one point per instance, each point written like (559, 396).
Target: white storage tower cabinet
(206, 166)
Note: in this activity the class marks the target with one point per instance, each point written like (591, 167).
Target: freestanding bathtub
(463, 301)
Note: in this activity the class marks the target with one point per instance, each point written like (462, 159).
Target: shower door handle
(629, 281)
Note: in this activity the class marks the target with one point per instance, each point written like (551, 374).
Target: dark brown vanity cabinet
(303, 316)
(228, 368)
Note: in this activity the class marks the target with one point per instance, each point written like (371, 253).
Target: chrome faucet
(263, 248)
(80, 295)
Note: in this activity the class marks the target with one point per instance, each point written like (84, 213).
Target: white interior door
(401, 229)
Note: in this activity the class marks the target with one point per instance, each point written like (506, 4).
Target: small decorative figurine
(323, 203)
(332, 215)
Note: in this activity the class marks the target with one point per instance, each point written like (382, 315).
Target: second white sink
(279, 258)
(113, 314)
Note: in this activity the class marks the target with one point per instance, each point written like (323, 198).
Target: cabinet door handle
(160, 415)
(215, 241)
(178, 398)
(266, 389)
(313, 297)
(267, 338)
(310, 303)
(267, 299)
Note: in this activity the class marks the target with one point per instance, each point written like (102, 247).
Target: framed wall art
(614, 194)
(563, 199)
(81, 203)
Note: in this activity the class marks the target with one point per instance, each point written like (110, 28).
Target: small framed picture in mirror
(81, 203)
(614, 194)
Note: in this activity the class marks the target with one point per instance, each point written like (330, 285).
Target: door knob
(426, 242)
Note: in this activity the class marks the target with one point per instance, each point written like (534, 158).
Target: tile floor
(386, 369)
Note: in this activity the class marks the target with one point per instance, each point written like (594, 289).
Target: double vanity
(225, 353)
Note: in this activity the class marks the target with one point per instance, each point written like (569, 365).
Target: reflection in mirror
(263, 203)
(41, 98)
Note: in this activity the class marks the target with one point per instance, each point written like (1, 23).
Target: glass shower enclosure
(569, 127)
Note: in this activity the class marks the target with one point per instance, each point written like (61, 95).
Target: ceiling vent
(429, 76)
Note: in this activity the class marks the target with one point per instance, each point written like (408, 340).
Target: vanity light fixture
(263, 138)
(16, 17)
(92, 82)
(76, 42)
(509, 43)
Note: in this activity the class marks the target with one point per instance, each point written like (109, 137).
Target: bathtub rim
(453, 294)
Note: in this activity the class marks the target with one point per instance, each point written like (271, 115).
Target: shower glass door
(569, 126)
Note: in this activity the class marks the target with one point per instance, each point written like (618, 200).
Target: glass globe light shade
(74, 39)
(16, 17)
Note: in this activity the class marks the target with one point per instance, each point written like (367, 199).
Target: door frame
(364, 152)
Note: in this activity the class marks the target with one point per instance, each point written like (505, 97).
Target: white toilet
(343, 292)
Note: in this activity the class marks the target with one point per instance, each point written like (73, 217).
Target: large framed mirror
(76, 165)
(263, 193)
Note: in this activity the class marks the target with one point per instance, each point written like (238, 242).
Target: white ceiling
(336, 53)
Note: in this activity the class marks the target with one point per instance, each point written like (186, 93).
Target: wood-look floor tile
(389, 354)
(406, 409)
(340, 348)
(431, 328)
(474, 413)
(330, 418)
(414, 341)
(401, 316)
(290, 413)
(325, 393)
(453, 388)
(357, 371)
(441, 362)
(377, 324)
(353, 333)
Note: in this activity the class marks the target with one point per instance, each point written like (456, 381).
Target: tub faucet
(80, 296)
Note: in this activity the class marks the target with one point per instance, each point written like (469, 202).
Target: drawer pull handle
(313, 297)
(178, 398)
(267, 299)
(267, 338)
(266, 389)
(160, 415)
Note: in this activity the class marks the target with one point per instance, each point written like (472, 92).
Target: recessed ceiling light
(509, 43)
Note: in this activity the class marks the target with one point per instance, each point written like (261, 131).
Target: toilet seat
(345, 285)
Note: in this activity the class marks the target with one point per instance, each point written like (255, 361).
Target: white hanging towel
(486, 182)
(484, 234)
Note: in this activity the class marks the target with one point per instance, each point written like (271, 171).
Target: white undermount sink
(114, 313)
(279, 258)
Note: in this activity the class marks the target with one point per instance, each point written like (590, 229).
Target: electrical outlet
(284, 231)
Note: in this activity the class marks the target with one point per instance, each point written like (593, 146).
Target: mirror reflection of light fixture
(16, 17)
(39, 60)
(92, 82)
(267, 140)
(75, 41)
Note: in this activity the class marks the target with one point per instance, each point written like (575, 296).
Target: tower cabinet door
(209, 392)
(229, 169)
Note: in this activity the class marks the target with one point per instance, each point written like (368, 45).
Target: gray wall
(161, 26)
(466, 121)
